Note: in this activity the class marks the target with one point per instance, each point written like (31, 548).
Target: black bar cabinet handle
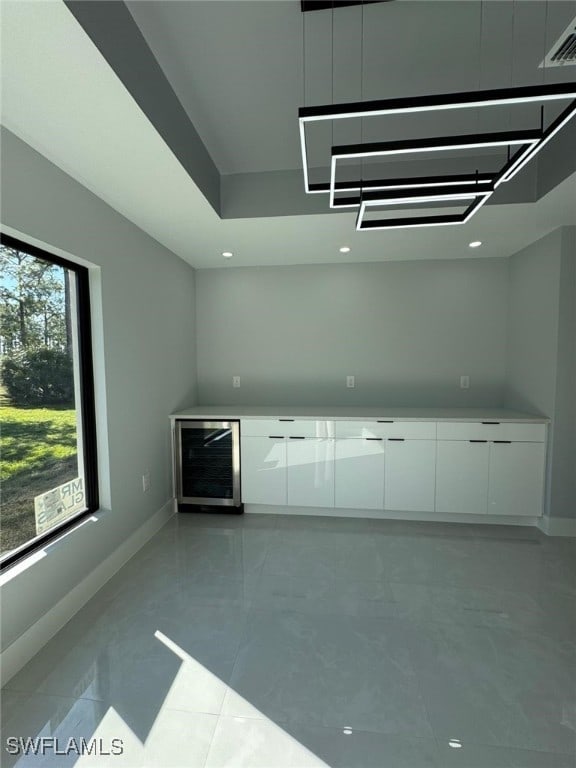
(373, 438)
(385, 421)
(297, 438)
(395, 439)
(490, 422)
(477, 441)
(276, 437)
(285, 419)
(500, 442)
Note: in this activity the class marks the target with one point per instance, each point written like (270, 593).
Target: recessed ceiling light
(475, 244)
(455, 744)
(344, 249)
(227, 254)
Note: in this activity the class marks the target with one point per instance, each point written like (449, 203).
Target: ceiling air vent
(563, 51)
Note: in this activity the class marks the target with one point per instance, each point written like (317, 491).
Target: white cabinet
(410, 475)
(359, 473)
(462, 476)
(516, 478)
(288, 427)
(498, 477)
(263, 470)
(417, 430)
(310, 472)
(491, 430)
(458, 468)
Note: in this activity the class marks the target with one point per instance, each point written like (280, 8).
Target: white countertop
(368, 413)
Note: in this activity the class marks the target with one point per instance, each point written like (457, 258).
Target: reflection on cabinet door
(359, 474)
(263, 470)
(310, 472)
(462, 477)
(410, 475)
(516, 484)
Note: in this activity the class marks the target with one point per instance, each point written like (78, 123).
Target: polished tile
(346, 747)
(57, 726)
(328, 670)
(497, 687)
(340, 596)
(35, 716)
(463, 755)
(277, 641)
(245, 743)
(323, 555)
(483, 607)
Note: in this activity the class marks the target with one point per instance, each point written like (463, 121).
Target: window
(48, 434)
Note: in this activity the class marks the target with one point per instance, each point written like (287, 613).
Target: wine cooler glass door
(208, 463)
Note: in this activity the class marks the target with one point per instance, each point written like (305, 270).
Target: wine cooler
(207, 464)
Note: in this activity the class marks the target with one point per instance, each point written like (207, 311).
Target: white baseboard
(558, 526)
(19, 653)
(381, 514)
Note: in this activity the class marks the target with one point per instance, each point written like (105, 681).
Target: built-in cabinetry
(490, 467)
(263, 469)
(409, 466)
(285, 461)
(359, 473)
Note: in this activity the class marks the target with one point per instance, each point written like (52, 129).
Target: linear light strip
(463, 141)
(501, 97)
(340, 203)
(420, 185)
(430, 221)
(344, 204)
(375, 202)
(468, 100)
(550, 132)
(478, 201)
(441, 148)
(437, 182)
(305, 160)
(401, 183)
(423, 199)
(475, 207)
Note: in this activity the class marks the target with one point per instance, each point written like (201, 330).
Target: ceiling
(236, 70)
(237, 67)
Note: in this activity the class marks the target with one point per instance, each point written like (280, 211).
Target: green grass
(38, 452)
(33, 437)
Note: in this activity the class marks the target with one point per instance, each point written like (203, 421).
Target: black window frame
(87, 405)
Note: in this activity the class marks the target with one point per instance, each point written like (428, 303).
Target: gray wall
(533, 325)
(145, 364)
(563, 491)
(541, 372)
(407, 331)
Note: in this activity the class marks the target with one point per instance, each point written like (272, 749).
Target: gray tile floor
(271, 642)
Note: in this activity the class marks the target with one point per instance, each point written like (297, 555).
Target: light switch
(350, 382)
(236, 382)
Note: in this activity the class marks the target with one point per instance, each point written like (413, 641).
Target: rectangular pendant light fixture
(525, 139)
(539, 94)
(415, 182)
(476, 199)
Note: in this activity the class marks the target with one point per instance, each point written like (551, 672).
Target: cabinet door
(516, 478)
(263, 470)
(410, 475)
(462, 477)
(310, 472)
(359, 474)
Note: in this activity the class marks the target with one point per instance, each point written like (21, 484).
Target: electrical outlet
(236, 382)
(146, 481)
(464, 382)
(350, 382)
